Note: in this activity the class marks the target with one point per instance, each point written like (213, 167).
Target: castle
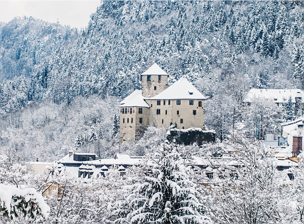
(158, 105)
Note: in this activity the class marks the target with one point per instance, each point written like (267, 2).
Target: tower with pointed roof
(154, 81)
(158, 105)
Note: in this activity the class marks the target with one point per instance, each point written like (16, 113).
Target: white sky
(75, 13)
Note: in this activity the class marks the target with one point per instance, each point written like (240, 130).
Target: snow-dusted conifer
(167, 194)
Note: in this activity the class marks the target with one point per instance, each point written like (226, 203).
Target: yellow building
(158, 105)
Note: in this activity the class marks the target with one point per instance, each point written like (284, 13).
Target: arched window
(200, 103)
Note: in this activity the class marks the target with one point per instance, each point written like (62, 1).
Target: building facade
(158, 105)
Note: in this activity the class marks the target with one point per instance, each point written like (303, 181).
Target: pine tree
(289, 107)
(167, 195)
(115, 126)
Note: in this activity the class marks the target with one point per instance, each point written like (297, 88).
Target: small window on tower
(131, 120)
(154, 87)
(130, 110)
(166, 112)
(194, 112)
(140, 120)
(148, 78)
(190, 102)
(164, 102)
(162, 121)
(122, 110)
(158, 102)
(177, 112)
(127, 120)
(140, 110)
(169, 102)
(181, 121)
(178, 102)
(159, 78)
(158, 111)
(123, 120)
(200, 103)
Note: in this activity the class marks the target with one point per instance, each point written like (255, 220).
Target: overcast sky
(75, 13)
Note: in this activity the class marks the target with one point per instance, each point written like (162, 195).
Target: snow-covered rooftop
(276, 95)
(135, 99)
(155, 70)
(182, 89)
(299, 120)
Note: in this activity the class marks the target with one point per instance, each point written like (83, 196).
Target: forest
(223, 47)
(60, 90)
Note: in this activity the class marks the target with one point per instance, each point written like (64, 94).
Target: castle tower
(154, 81)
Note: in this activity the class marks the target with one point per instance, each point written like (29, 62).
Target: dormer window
(148, 78)
(275, 99)
(190, 92)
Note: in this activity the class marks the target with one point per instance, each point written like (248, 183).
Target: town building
(278, 96)
(160, 105)
(281, 97)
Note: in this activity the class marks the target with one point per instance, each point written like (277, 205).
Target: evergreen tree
(115, 126)
(290, 111)
(167, 195)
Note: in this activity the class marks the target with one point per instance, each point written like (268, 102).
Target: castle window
(200, 103)
(123, 120)
(127, 120)
(166, 112)
(164, 102)
(140, 110)
(178, 102)
(177, 112)
(183, 127)
(130, 110)
(169, 102)
(158, 111)
(181, 121)
(154, 87)
(158, 102)
(159, 78)
(140, 120)
(194, 112)
(122, 110)
(148, 78)
(132, 120)
(151, 105)
(162, 121)
(190, 102)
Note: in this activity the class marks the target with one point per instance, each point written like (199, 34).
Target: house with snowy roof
(278, 96)
(160, 105)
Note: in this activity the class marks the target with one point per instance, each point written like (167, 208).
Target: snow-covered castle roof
(276, 95)
(135, 99)
(155, 70)
(182, 89)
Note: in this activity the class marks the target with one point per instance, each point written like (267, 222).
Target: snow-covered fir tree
(166, 195)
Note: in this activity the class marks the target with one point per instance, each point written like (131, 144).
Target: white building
(158, 105)
(278, 96)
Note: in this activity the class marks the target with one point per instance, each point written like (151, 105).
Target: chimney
(71, 153)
